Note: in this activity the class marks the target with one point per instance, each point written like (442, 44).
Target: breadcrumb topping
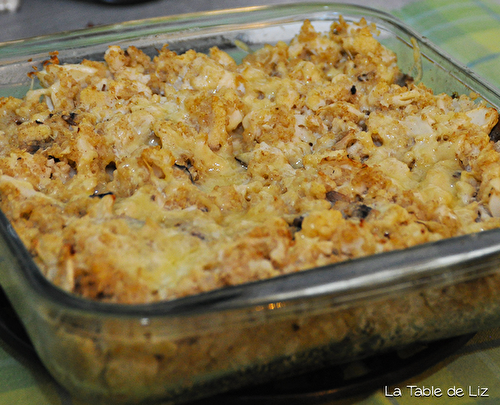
(141, 179)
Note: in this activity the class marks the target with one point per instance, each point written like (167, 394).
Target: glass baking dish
(200, 345)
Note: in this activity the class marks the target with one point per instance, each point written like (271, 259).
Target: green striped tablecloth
(467, 30)
(470, 32)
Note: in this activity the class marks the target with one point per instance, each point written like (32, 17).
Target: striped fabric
(470, 31)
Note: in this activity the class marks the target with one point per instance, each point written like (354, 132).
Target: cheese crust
(140, 179)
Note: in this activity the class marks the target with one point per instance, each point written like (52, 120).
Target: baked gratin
(139, 179)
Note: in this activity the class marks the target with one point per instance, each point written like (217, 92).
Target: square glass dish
(200, 345)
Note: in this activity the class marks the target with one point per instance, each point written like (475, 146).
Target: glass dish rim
(183, 18)
(254, 293)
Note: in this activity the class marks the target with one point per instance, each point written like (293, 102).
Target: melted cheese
(139, 179)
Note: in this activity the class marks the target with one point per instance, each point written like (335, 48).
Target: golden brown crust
(137, 179)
